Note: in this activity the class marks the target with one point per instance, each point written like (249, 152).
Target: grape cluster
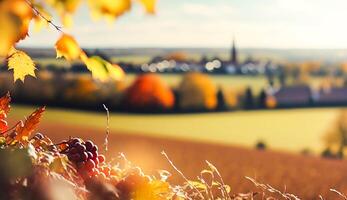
(86, 157)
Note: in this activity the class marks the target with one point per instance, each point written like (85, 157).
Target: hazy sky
(212, 23)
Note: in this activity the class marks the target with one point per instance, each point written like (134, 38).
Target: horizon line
(188, 47)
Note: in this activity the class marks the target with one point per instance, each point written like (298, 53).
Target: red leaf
(25, 129)
(4, 110)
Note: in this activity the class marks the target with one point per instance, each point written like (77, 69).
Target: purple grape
(80, 165)
(75, 157)
(90, 164)
(95, 154)
(90, 155)
(89, 145)
(77, 144)
(84, 156)
(69, 156)
(81, 148)
(94, 149)
(74, 141)
(73, 150)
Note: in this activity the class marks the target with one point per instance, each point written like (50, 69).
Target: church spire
(233, 56)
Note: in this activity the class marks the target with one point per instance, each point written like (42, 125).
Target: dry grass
(306, 177)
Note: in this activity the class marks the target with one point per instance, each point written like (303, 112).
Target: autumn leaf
(4, 110)
(22, 10)
(21, 64)
(154, 190)
(101, 69)
(8, 34)
(96, 65)
(40, 21)
(109, 8)
(65, 9)
(15, 16)
(149, 5)
(67, 47)
(5, 103)
(25, 129)
(59, 164)
(116, 72)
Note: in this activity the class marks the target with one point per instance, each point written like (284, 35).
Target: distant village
(280, 95)
(178, 63)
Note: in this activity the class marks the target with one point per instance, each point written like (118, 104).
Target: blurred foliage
(271, 102)
(231, 97)
(38, 90)
(177, 56)
(197, 92)
(336, 137)
(248, 99)
(15, 163)
(83, 90)
(149, 92)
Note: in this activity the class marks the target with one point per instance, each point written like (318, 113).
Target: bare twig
(38, 13)
(183, 176)
(226, 193)
(339, 193)
(107, 128)
(269, 188)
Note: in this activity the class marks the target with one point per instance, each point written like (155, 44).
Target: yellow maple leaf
(149, 5)
(67, 47)
(21, 64)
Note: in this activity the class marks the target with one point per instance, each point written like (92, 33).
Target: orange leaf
(67, 47)
(149, 5)
(25, 129)
(109, 8)
(4, 110)
(5, 103)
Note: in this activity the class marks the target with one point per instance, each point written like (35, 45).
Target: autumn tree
(336, 137)
(148, 93)
(228, 98)
(82, 91)
(221, 99)
(262, 99)
(17, 15)
(197, 92)
(248, 100)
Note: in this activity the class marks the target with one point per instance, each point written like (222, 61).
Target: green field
(290, 130)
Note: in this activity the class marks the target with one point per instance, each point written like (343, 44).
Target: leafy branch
(39, 14)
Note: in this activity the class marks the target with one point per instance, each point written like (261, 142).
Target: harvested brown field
(305, 176)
